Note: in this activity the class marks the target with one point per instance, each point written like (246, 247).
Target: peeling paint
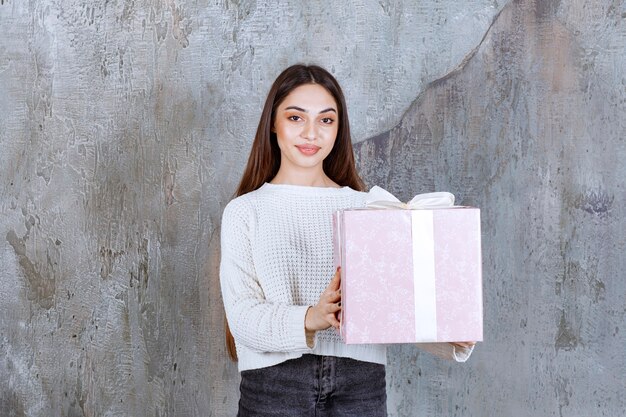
(566, 338)
(108, 258)
(596, 202)
(41, 289)
(563, 391)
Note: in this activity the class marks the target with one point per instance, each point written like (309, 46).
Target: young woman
(280, 288)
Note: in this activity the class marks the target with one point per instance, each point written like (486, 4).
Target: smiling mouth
(308, 150)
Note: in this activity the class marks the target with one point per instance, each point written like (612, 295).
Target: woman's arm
(256, 323)
(456, 351)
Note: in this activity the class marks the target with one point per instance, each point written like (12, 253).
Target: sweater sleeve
(255, 323)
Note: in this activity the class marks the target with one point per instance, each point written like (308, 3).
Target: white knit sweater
(277, 258)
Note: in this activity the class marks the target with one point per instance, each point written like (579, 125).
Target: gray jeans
(314, 386)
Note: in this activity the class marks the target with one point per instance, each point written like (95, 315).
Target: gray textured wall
(532, 129)
(124, 127)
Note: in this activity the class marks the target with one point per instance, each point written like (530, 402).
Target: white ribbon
(423, 236)
(424, 288)
(383, 199)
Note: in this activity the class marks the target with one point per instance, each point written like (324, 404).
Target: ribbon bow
(383, 199)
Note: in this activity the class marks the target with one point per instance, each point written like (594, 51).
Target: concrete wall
(124, 127)
(531, 128)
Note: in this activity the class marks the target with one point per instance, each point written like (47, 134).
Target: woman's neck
(305, 179)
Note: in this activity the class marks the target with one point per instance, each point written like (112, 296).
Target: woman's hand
(463, 344)
(324, 314)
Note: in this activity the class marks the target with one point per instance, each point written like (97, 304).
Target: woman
(280, 289)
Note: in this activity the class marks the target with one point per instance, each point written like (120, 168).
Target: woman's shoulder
(247, 205)
(246, 201)
(240, 207)
(360, 196)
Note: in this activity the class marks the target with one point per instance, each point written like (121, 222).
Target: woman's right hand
(324, 314)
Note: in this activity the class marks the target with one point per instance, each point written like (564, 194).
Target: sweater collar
(305, 189)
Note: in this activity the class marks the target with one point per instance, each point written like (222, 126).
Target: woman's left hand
(324, 314)
(466, 345)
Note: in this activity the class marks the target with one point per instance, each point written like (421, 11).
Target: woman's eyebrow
(306, 111)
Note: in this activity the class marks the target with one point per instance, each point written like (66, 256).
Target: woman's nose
(309, 131)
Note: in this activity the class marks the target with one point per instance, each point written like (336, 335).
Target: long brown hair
(264, 159)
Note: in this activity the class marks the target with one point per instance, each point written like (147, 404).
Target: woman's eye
(327, 120)
(294, 118)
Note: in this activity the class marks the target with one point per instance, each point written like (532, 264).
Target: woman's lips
(308, 149)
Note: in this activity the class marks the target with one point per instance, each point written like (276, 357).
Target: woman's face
(306, 125)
